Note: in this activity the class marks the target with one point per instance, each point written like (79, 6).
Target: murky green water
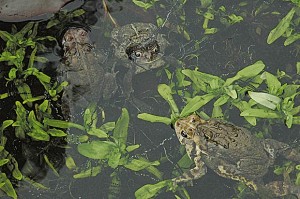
(234, 46)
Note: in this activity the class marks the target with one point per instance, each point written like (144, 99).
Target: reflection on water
(95, 65)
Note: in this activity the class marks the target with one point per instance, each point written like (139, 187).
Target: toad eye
(155, 49)
(183, 134)
(138, 54)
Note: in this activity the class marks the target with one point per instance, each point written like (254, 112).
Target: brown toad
(140, 48)
(83, 68)
(232, 152)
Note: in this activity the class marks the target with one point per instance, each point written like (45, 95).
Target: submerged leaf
(139, 164)
(97, 149)
(150, 190)
(88, 173)
(121, 129)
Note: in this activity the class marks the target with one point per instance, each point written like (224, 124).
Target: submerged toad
(232, 152)
(83, 68)
(140, 48)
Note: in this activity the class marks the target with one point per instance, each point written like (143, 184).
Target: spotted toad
(232, 152)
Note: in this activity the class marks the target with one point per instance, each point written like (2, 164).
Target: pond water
(242, 29)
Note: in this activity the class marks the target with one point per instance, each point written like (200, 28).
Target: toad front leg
(198, 171)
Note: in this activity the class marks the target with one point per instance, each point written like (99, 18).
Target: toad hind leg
(282, 188)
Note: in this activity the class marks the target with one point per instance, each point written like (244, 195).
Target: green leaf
(198, 78)
(44, 106)
(33, 99)
(7, 187)
(222, 100)
(39, 134)
(25, 92)
(5, 124)
(90, 116)
(70, 163)
(260, 113)
(143, 4)
(12, 73)
(297, 182)
(291, 39)
(3, 162)
(282, 26)
(298, 68)
(132, 147)
(50, 165)
(97, 149)
(242, 106)
(88, 173)
(114, 158)
(121, 129)
(35, 184)
(151, 190)
(56, 133)
(166, 93)
(247, 72)
(153, 118)
(108, 126)
(4, 95)
(195, 103)
(62, 124)
(273, 83)
(6, 36)
(265, 99)
(209, 31)
(97, 132)
(139, 164)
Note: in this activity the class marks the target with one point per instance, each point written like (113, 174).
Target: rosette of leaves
(18, 46)
(255, 93)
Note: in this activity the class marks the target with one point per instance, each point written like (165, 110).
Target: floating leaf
(273, 83)
(5, 124)
(7, 187)
(247, 72)
(265, 99)
(196, 103)
(56, 133)
(70, 163)
(282, 26)
(153, 118)
(261, 113)
(62, 124)
(291, 39)
(143, 4)
(39, 134)
(3, 162)
(97, 132)
(132, 147)
(166, 93)
(108, 126)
